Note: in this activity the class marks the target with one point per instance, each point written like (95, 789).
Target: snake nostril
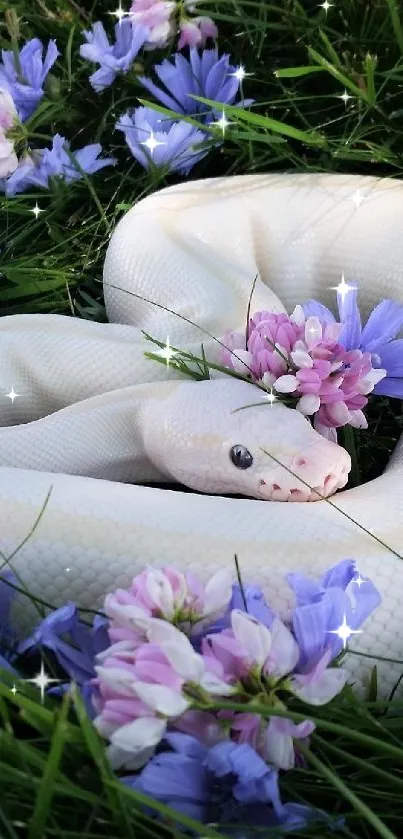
(275, 486)
(300, 461)
(328, 479)
(262, 483)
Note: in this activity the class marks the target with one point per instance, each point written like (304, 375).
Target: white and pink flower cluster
(300, 357)
(8, 116)
(178, 646)
(160, 17)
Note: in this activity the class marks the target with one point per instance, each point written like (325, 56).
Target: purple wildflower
(26, 88)
(75, 656)
(43, 164)
(227, 783)
(376, 337)
(251, 600)
(322, 606)
(203, 74)
(116, 58)
(161, 142)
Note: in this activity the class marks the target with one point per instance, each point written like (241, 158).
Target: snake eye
(241, 457)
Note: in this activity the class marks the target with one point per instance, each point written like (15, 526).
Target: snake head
(268, 451)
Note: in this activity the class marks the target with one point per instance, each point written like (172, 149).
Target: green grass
(56, 782)
(54, 779)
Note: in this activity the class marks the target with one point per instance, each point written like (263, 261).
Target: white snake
(90, 403)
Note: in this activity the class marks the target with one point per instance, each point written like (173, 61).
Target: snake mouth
(296, 492)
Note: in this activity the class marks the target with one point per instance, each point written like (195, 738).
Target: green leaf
(296, 72)
(251, 118)
(46, 790)
(97, 750)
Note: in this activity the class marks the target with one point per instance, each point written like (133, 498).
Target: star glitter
(270, 397)
(12, 395)
(343, 288)
(42, 681)
(357, 198)
(326, 6)
(240, 73)
(345, 97)
(167, 352)
(344, 632)
(359, 580)
(152, 143)
(222, 123)
(36, 211)
(119, 14)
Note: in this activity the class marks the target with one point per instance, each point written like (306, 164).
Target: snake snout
(314, 473)
(325, 467)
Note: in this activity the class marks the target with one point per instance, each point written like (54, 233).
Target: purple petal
(305, 590)
(350, 335)
(312, 308)
(174, 778)
(185, 745)
(5, 665)
(340, 575)
(161, 95)
(102, 78)
(218, 758)
(391, 358)
(310, 624)
(383, 324)
(51, 54)
(364, 599)
(255, 604)
(389, 387)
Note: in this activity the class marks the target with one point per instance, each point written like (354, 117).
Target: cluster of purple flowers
(170, 647)
(21, 90)
(329, 367)
(153, 140)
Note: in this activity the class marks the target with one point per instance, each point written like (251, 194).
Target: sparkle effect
(359, 580)
(119, 14)
(344, 632)
(222, 123)
(36, 211)
(343, 288)
(270, 397)
(12, 395)
(326, 6)
(166, 352)
(357, 198)
(345, 97)
(13, 690)
(240, 73)
(42, 681)
(152, 143)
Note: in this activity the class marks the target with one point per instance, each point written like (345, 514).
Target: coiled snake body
(90, 404)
